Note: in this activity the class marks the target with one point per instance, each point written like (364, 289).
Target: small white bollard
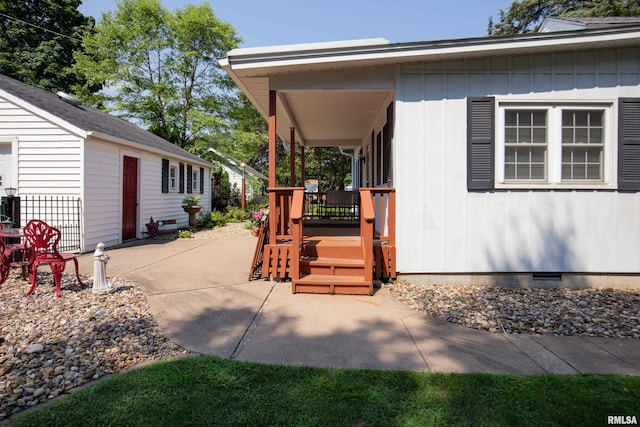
(100, 283)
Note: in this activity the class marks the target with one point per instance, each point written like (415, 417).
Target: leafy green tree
(525, 16)
(159, 68)
(329, 166)
(221, 193)
(37, 41)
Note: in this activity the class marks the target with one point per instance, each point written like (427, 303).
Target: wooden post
(292, 158)
(272, 139)
(302, 177)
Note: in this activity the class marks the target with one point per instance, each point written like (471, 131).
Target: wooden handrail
(367, 222)
(297, 212)
(297, 204)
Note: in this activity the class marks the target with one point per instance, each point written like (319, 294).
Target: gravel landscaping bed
(49, 345)
(557, 311)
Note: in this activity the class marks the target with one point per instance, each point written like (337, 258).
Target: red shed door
(129, 198)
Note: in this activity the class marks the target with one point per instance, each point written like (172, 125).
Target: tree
(160, 68)
(525, 16)
(38, 38)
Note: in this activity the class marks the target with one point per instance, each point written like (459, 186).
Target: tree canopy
(38, 38)
(159, 68)
(525, 16)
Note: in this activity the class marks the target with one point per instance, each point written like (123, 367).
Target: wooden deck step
(332, 266)
(332, 284)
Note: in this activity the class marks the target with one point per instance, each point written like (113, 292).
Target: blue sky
(277, 22)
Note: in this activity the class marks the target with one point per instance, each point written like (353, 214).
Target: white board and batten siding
(444, 228)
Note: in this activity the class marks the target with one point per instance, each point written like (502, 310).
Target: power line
(41, 28)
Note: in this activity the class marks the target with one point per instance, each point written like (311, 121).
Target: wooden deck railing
(297, 212)
(280, 203)
(367, 230)
(377, 219)
(383, 201)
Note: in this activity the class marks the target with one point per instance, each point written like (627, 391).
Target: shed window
(173, 178)
(195, 180)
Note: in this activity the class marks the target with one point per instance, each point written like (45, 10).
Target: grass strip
(206, 390)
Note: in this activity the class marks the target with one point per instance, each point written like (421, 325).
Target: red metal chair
(42, 242)
(5, 265)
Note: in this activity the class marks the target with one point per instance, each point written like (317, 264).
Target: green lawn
(206, 390)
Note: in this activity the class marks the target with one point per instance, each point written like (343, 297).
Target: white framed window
(173, 178)
(195, 180)
(564, 145)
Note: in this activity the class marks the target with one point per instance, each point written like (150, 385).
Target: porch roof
(329, 92)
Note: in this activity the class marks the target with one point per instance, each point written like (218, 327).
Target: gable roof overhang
(329, 91)
(89, 123)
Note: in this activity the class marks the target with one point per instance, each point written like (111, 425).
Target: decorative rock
(548, 311)
(35, 348)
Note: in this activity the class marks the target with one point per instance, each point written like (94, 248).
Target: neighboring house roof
(580, 23)
(91, 122)
(231, 161)
(326, 117)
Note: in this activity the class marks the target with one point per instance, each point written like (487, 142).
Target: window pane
(510, 154)
(537, 171)
(511, 135)
(510, 118)
(582, 135)
(539, 136)
(596, 118)
(594, 172)
(510, 171)
(595, 136)
(522, 173)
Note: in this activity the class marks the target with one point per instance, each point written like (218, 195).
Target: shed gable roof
(90, 120)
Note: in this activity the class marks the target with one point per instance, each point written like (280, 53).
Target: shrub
(185, 234)
(218, 219)
(235, 214)
(203, 220)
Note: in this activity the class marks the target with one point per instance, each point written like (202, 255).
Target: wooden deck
(325, 259)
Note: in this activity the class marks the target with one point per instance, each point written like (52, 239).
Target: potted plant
(257, 218)
(191, 201)
(191, 206)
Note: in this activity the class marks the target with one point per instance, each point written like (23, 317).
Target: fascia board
(141, 147)
(276, 61)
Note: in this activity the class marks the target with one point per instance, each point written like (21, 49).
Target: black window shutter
(165, 175)
(181, 178)
(629, 144)
(480, 143)
(387, 171)
(201, 180)
(189, 179)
